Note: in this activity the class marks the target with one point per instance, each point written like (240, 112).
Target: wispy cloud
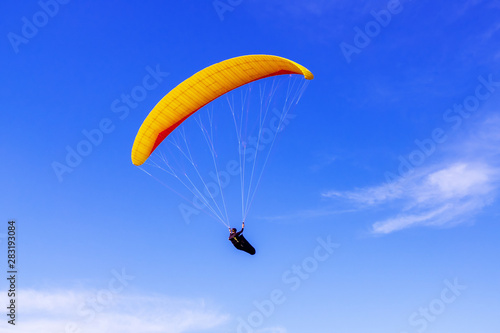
(463, 8)
(55, 311)
(300, 15)
(322, 160)
(274, 329)
(442, 198)
(306, 214)
(298, 8)
(442, 194)
(488, 34)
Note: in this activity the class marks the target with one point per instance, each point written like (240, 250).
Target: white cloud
(488, 34)
(58, 311)
(275, 329)
(306, 214)
(322, 161)
(370, 195)
(457, 181)
(441, 194)
(299, 8)
(405, 221)
(464, 8)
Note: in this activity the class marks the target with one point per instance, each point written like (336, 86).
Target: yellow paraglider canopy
(202, 88)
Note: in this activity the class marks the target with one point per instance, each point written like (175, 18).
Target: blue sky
(378, 210)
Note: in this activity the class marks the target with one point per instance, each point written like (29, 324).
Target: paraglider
(239, 241)
(202, 88)
(193, 94)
